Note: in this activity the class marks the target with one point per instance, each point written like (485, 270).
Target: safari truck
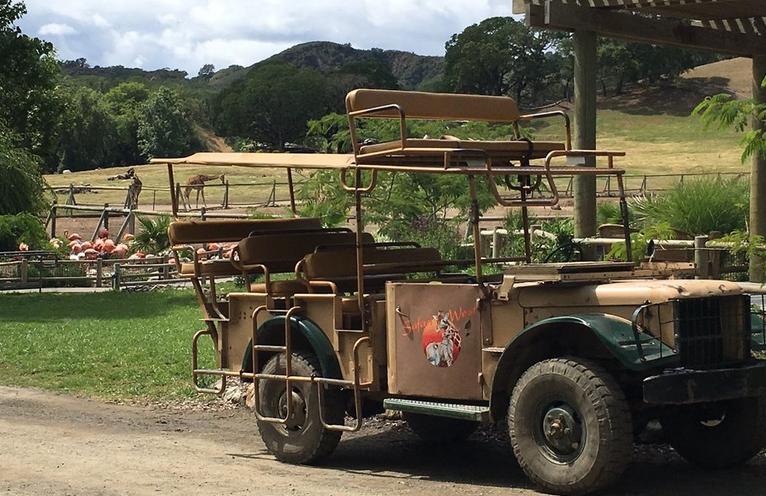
(573, 359)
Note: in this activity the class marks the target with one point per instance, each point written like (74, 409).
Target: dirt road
(58, 445)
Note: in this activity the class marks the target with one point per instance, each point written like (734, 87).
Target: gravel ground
(63, 445)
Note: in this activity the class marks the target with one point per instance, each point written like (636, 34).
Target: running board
(458, 411)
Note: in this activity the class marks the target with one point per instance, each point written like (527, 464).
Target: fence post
(165, 274)
(116, 277)
(701, 257)
(226, 194)
(99, 271)
(53, 219)
(106, 216)
(24, 270)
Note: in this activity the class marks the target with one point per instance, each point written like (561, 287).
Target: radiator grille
(713, 331)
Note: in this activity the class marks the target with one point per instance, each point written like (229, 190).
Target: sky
(186, 34)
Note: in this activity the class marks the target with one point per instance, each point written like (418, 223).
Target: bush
(153, 237)
(21, 228)
(21, 189)
(698, 207)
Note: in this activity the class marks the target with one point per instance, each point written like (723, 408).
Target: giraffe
(198, 183)
(134, 190)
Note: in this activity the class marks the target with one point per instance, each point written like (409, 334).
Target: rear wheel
(302, 439)
(719, 435)
(570, 426)
(440, 429)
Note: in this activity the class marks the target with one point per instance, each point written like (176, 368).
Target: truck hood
(626, 292)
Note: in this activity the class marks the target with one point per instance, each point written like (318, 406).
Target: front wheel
(570, 426)
(302, 439)
(717, 435)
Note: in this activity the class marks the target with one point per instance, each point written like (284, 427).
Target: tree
(272, 104)
(164, 128)
(125, 104)
(88, 132)
(22, 187)
(28, 105)
(499, 56)
(206, 71)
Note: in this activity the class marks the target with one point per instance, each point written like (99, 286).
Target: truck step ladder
(476, 413)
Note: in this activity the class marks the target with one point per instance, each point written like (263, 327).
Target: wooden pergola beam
(555, 15)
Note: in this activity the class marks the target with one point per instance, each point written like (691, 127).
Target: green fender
(316, 339)
(615, 333)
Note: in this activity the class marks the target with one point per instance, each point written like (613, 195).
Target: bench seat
(209, 268)
(430, 150)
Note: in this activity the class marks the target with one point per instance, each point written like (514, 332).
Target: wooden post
(24, 271)
(226, 195)
(116, 277)
(701, 257)
(99, 271)
(758, 175)
(585, 44)
(106, 216)
(54, 210)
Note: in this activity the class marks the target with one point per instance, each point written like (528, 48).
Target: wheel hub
(298, 410)
(562, 430)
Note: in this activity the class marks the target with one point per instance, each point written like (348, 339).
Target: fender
(595, 335)
(272, 332)
(615, 333)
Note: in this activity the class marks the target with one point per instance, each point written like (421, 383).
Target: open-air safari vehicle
(572, 358)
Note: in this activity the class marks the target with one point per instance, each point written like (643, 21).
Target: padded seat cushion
(210, 268)
(280, 288)
(420, 148)
(340, 264)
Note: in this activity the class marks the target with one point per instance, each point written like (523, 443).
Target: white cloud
(56, 29)
(189, 33)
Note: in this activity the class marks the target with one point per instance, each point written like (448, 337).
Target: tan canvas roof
(293, 160)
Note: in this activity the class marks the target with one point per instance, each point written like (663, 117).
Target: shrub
(21, 228)
(698, 207)
(153, 237)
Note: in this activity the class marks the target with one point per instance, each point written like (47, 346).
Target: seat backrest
(208, 231)
(280, 252)
(340, 263)
(435, 106)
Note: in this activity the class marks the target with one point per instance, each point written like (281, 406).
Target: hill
(411, 71)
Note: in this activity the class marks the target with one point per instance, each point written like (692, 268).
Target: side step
(458, 411)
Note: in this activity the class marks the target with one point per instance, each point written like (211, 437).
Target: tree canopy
(498, 56)
(164, 128)
(272, 104)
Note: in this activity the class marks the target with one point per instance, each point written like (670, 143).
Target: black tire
(303, 440)
(717, 436)
(589, 431)
(440, 429)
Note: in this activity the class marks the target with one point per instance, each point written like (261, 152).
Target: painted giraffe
(440, 354)
(198, 183)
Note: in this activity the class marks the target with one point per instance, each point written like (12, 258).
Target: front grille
(712, 332)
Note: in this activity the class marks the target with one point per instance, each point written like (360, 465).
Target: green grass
(106, 345)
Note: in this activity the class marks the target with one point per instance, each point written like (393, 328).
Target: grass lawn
(107, 345)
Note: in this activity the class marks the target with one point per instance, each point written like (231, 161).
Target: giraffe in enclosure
(198, 183)
(134, 190)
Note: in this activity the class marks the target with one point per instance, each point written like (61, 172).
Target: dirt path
(59, 445)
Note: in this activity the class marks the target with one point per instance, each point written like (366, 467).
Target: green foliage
(498, 56)
(88, 132)
(559, 248)
(639, 242)
(272, 104)
(164, 129)
(22, 186)
(153, 235)
(125, 103)
(28, 104)
(698, 207)
(744, 243)
(321, 196)
(726, 112)
(610, 213)
(22, 228)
